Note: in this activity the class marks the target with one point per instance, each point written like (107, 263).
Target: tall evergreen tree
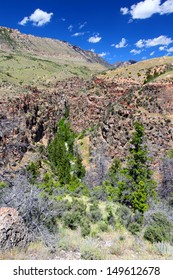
(137, 185)
(59, 153)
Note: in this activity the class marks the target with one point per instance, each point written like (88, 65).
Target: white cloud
(38, 18)
(124, 11)
(92, 50)
(103, 54)
(152, 53)
(23, 21)
(70, 28)
(121, 44)
(147, 8)
(94, 39)
(140, 43)
(161, 40)
(167, 7)
(77, 34)
(135, 51)
(170, 50)
(82, 25)
(162, 48)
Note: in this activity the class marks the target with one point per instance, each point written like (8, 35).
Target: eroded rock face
(12, 229)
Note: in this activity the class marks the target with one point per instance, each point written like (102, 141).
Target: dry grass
(111, 245)
(83, 145)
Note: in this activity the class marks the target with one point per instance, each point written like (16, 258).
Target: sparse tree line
(61, 195)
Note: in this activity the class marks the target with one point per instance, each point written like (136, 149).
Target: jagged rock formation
(107, 104)
(27, 120)
(12, 229)
(111, 106)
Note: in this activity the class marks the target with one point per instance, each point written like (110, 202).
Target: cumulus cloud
(147, 8)
(161, 40)
(140, 43)
(94, 39)
(124, 11)
(121, 44)
(135, 51)
(24, 21)
(38, 18)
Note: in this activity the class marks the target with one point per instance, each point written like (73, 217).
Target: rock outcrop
(12, 229)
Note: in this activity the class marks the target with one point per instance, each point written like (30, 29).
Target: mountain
(41, 78)
(123, 63)
(45, 84)
(51, 49)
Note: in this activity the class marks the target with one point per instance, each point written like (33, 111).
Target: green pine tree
(137, 185)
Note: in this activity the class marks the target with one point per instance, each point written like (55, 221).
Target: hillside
(50, 49)
(63, 109)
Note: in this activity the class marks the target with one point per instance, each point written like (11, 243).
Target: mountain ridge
(53, 49)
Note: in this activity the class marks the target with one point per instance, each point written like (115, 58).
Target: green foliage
(75, 214)
(132, 221)
(110, 191)
(164, 248)
(170, 153)
(95, 213)
(85, 227)
(3, 185)
(103, 225)
(49, 184)
(33, 169)
(137, 185)
(61, 155)
(125, 215)
(110, 216)
(160, 229)
(71, 219)
(76, 186)
(134, 228)
(79, 169)
(90, 251)
(114, 170)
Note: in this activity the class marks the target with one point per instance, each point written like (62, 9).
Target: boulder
(12, 229)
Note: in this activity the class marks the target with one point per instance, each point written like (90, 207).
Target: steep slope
(143, 71)
(55, 50)
(34, 96)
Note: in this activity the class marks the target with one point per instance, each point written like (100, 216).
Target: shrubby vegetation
(58, 196)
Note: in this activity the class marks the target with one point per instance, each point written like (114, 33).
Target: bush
(33, 169)
(164, 248)
(39, 213)
(103, 225)
(110, 215)
(95, 213)
(134, 228)
(125, 215)
(75, 214)
(85, 228)
(71, 220)
(90, 251)
(160, 229)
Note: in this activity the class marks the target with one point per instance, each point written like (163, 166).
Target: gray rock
(12, 229)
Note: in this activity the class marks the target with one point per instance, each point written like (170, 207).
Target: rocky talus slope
(109, 107)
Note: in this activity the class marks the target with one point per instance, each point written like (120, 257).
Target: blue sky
(117, 30)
